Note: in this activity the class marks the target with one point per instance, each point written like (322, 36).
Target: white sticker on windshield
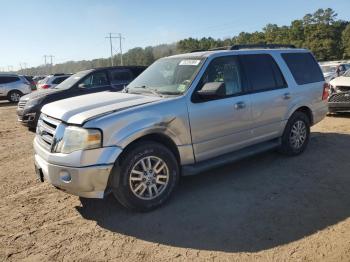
(190, 62)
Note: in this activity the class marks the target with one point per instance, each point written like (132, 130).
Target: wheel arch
(307, 111)
(153, 137)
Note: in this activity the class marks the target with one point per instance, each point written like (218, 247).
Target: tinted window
(262, 72)
(95, 80)
(59, 80)
(225, 70)
(121, 76)
(8, 79)
(303, 67)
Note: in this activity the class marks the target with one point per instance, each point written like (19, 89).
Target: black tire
(287, 147)
(119, 180)
(11, 94)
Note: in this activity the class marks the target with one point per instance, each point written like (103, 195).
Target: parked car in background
(52, 80)
(84, 82)
(31, 81)
(13, 86)
(333, 70)
(184, 114)
(339, 96)
(36, 79)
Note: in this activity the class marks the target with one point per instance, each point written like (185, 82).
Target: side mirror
(82, 85)
(212, 89)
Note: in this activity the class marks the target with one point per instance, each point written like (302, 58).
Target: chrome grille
(46, 130)
(22, 104)
(340, 98)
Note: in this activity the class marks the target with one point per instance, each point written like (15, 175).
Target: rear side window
(120, 76)
(262, 72)
(59, 80)
(303, 67)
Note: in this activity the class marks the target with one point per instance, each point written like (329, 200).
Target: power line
(110, 37)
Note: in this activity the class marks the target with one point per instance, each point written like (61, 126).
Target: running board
(189, 170)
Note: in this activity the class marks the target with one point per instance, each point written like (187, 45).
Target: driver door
(95, 82)
(221, 125)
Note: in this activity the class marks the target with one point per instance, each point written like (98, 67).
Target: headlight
(77, 138)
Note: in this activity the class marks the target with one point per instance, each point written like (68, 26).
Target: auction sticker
(190, 62)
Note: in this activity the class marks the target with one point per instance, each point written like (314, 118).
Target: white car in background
(333, 70)
(339, 96)
(13, 86)
(51, 81)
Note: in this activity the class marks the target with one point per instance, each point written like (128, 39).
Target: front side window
(95, 80)
(224, 70)
(262, 72)
(8, 79)
(167, 76)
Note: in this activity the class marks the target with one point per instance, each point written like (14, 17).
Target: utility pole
(120, 47)
(110, 37)
(45, 59)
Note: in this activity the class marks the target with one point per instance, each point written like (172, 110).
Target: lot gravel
(268, 207)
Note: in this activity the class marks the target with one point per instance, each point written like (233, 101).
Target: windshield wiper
(151, 90)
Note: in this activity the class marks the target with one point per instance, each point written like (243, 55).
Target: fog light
(65, 176)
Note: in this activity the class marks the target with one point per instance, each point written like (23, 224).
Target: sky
(76, 29)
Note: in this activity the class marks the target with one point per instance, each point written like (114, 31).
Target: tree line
(321, 32)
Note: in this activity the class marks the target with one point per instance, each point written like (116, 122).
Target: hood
(39, 94)
(79, 109)
(341, 81)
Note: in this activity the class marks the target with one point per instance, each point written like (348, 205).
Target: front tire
(14, 96)
(296, 134)
(145, 177)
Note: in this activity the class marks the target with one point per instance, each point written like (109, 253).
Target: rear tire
(296, 134)
(14, 96)
(145, 177)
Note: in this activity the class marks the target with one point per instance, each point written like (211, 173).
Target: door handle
(286, 96)
(240, 105)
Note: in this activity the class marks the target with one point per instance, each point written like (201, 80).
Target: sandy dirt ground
(269, 207)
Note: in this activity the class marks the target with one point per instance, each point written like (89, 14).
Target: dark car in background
(81, 83)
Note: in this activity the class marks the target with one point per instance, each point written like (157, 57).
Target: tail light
(45, 86)
(325, 92)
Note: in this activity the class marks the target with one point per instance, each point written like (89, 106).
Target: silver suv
(184, 114)
(12, 87)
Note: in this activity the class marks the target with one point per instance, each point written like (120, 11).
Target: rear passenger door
(270, 95)
(120, 78)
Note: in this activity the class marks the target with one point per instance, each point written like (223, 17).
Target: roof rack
(263, 46)
(248, 46)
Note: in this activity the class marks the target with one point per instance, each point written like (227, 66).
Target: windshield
(347, 73)
(328, 69)
(72, 80)
(167, 76)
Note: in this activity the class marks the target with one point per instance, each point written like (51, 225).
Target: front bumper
(89, 182)
(27, 117)
(82, 173)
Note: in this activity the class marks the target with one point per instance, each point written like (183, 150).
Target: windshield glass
(72, 80)
(167, 76)
(328, 69)
(347, 73)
